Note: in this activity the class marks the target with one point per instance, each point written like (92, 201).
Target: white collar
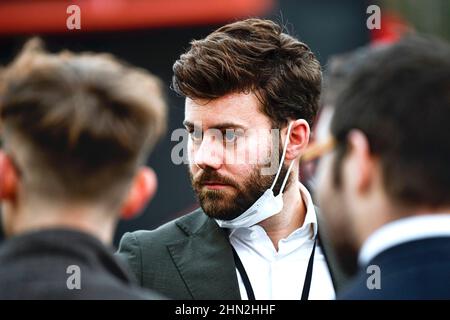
(404, 230)
(310, 218)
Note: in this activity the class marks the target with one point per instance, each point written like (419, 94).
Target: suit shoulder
(177, 229)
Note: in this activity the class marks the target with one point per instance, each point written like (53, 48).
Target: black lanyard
(248, 286)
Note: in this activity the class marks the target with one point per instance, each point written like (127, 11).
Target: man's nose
(209, 152)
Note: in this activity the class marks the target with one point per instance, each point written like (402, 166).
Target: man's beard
(231, 203)
(347, 255)
(340, 233)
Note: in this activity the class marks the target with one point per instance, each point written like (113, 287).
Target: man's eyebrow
(227, 125)
(219, 126)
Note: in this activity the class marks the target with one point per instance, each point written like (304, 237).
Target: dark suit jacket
(417, 269)
(188, 258)
(34, 266)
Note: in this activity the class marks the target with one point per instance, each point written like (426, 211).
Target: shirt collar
(404, 230)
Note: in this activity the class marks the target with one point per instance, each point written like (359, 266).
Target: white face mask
(267, 205)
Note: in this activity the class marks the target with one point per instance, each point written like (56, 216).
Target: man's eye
(230, 136)
(196, 135)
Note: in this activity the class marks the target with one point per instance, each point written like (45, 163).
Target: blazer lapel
(205, 261)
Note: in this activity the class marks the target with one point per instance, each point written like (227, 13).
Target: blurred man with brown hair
(384, 185)
(76, 129)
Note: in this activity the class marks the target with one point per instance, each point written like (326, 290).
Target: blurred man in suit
(384, 185)
(257, 234)
(76, 130)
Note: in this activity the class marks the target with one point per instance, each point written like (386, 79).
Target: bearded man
(252, 94)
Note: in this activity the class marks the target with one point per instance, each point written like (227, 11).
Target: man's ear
(141, 191)
(8, 178)
(298, 140)
(360, 161)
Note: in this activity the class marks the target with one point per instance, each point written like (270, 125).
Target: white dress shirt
(281, 275)
(404, 230)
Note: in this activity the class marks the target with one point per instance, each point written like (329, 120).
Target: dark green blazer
(191, 258)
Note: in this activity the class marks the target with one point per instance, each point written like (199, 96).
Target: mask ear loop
(282, 161)
(286, 177)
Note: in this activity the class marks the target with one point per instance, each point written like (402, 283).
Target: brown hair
(79, 124)
(253, 55)
(400, 100)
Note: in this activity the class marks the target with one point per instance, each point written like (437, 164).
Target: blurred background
(153, 33)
